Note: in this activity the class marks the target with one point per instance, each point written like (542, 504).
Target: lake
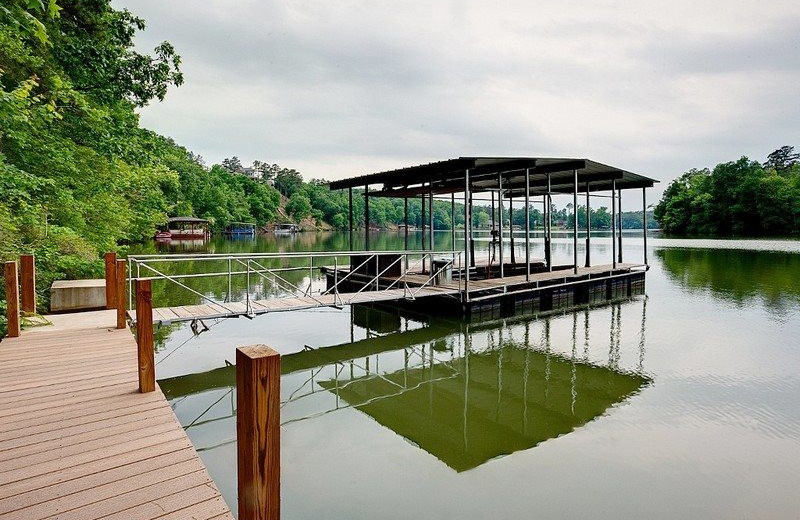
(682, 403)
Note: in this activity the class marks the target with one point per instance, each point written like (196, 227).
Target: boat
(240, 229)
(285, 229)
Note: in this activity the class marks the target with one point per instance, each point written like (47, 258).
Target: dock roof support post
(588, 228)
(527, 224)
(111, 280)
(619, 226)
(258, 426)
(471, 237)
(144, 336)
(27, 275)
(430, 228)
(122, 321)
(405, 227)
(575, 221)
(12, 300)
(613, 223)
(453, 221)
(350, 214)
(467, 230)
(511, 227)
(548, 252)
(644, 222)
(366, 217)
(500, 224)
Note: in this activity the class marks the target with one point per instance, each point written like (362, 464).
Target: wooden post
(258, 389)
(27, 274)
(12, 299)
(121, 279)
(111, 280)
(144, 336)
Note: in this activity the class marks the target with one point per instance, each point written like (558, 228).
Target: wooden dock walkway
(78, 440)
(295, 303)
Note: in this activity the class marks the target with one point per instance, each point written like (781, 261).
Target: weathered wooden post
(27, 274)
(12, 299)
(120, 281)
(258, 389)
(144, 336)
(111, 280)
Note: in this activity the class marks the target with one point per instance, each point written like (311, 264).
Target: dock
(78, 440)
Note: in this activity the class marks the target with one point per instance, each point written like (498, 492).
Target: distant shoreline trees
(742, 197)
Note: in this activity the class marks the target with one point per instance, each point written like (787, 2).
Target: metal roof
(484, 173)
(193, 220)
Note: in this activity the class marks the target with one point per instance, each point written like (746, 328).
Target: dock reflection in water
(466, 393)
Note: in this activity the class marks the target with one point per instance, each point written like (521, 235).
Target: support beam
(258, 426)
(423, 222)
(12, 300)
(122, 321)
(527, 225)
(111, 280)
(548, 253)
(613, 224)
(644, 223)
(350, 214)
(366, 217)
(500, 224)
(575, 223)
(471, 237)
(619, 225)
(405, 228)
(144, 336)
(453, 221)
(467, 227)
(511, 229)
(430, 228)
(588, 228)
(27, 275)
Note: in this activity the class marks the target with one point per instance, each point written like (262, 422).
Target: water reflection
(465, 392)
(737, 275)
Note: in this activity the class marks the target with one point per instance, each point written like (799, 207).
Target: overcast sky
(336, 88)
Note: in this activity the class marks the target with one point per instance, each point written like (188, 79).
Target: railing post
(121, 311)
(12, 299)
(111, 280)
(144, 336)
(27, 272)
(258, 389)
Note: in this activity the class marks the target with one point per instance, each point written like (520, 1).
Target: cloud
(344, 88)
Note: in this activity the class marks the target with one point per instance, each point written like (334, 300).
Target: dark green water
(682, 403)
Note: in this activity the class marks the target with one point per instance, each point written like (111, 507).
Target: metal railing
(254, 268)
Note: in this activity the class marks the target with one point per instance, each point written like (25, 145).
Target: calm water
(682, 403)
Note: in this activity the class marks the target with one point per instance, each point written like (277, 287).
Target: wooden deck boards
(77, 439)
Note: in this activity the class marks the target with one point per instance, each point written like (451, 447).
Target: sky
(336, 89)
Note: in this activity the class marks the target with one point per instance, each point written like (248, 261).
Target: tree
(298, 206)
(233, 164)
(288, 182)
(782, 159)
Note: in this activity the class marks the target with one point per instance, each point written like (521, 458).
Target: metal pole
(619, 225)
(366, 217)
(548, 233)
(453, 220)
(350, 214)
(467, 226)
(644, 222)
(471, 238)
(575, 221)
(613, 223)
(588, 227)
(527, 225)
(422, 226)
(511, 227)
(405, 231)
(430, 228)
(500, 224)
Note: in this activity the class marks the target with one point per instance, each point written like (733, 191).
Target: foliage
(78, 175)
(740, 197)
